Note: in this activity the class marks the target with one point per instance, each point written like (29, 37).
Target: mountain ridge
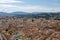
(46, 15)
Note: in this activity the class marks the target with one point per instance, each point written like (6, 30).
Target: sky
(30, 5)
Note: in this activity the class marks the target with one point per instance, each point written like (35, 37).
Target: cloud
(6, 7)
(12, 8)
(10, 1)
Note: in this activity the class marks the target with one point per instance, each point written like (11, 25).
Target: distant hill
(47, 15)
